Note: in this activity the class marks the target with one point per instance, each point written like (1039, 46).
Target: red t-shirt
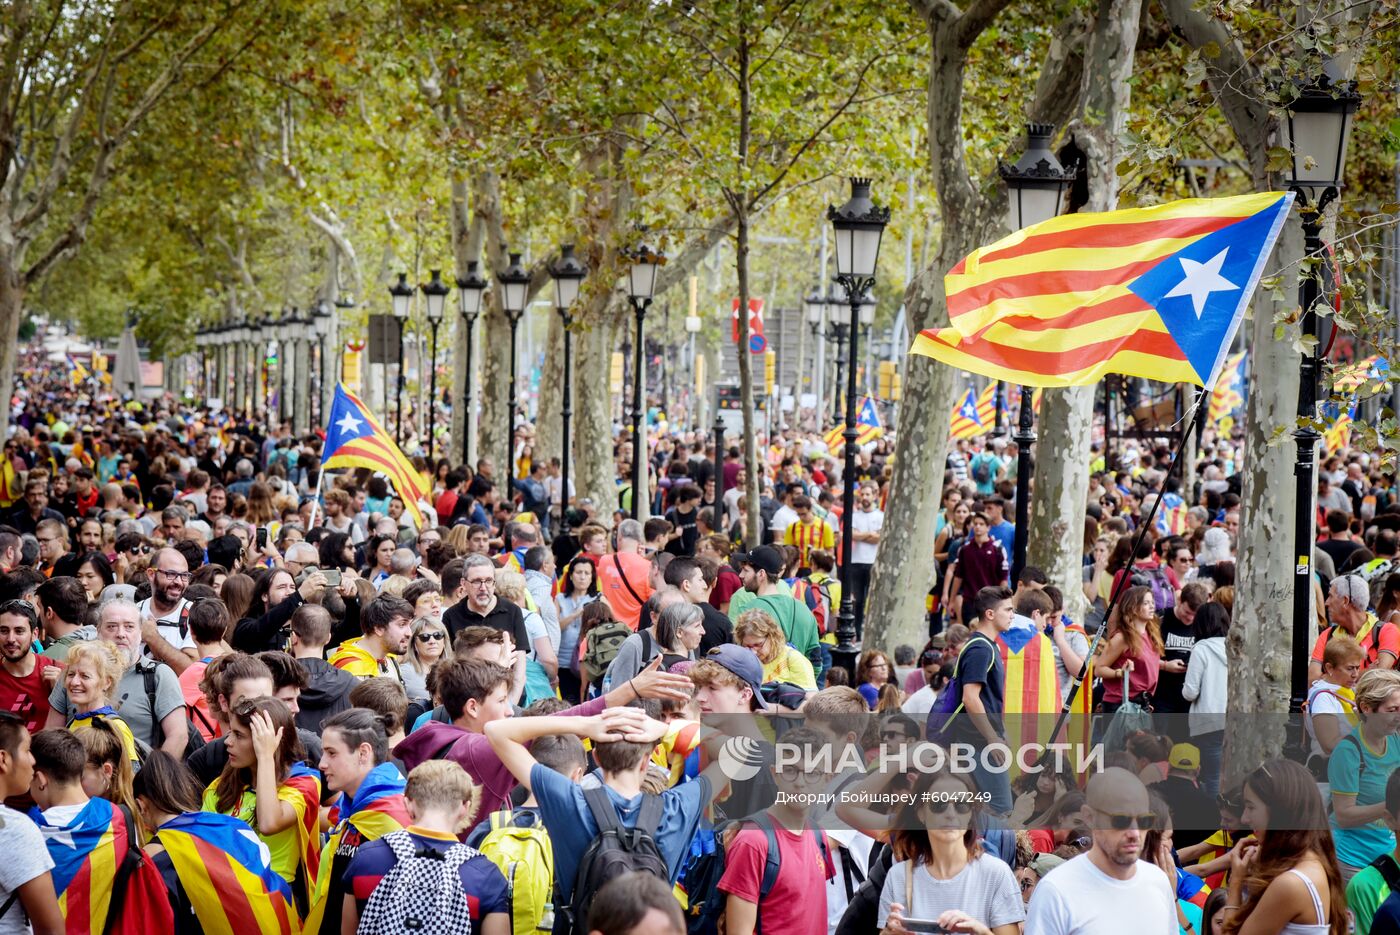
(626, 602)
(727, 584)
(446, 504)
(28, 697)
(797, 903)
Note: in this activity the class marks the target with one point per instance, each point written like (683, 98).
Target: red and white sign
(755, 323)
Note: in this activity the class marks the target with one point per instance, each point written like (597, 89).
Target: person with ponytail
(107, 774)
(355, 763)
(265, 785)
(1284, 878)
(190, 847)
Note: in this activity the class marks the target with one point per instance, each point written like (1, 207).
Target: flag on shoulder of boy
(355, 439)
(1153, 292)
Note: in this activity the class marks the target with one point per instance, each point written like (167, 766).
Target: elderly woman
(679, 629)
(755, 630)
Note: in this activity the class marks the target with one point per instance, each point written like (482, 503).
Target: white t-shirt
(26, 858)
(985, 889)
(863, 553)
(782, 519)
(845, 844)
(168, 626)
(1322, 699)
(921, 702)
(1077, 898)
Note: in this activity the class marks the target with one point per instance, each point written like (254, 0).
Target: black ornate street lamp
(568, 275)
(321, 324)
(1036, 186)
(641, 283)
(721, 519)
(402, 294)
(1315, 128)
(515, 286)
(469, 291)
(435, 294)
(859, 225)
(837, 299)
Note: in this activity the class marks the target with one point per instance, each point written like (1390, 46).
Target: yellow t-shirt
(288, 846)
(791, 667)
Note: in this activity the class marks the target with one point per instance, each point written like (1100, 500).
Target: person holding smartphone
(948, 884)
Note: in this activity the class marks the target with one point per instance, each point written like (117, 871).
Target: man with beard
(215, 503)
(165, 628)
(387, 624)
(148, 694)
(1094, 893)
(25, 679)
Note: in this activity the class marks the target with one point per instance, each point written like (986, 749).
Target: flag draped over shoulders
(227, 876)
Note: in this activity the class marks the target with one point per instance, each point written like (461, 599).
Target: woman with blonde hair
(758, 632)
(1357, 772)
(458, 540)
(510, 586)
(91, 677)
(428, 646)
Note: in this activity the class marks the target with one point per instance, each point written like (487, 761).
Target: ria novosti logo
(742, 758)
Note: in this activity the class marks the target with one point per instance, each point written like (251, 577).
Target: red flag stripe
(1153, 343)
(1085, 315)
(232, 896)
(1110, 236)
(1049, 283)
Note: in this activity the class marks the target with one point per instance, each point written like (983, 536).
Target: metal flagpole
(1117, 592)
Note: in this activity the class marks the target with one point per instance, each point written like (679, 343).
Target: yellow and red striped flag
(354, 438)
(973, 417)
(1151, 292)
(868, 428)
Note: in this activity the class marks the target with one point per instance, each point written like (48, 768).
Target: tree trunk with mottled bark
(594, 470)
(549, 425)
(1056, 540)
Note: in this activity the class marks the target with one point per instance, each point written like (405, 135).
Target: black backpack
(615, 851)
(194, 740)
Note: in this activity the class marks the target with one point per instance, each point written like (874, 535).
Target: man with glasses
(1098, 892)
(299, 557)
(482, 607)
(53, 544)
(165, 625)
(26, 518)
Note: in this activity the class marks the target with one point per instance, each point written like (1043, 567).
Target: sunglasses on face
(1124, 822)
(431, 637)
(941, 808)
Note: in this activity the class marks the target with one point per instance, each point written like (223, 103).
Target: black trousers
(860, 590)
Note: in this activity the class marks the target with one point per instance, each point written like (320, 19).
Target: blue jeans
(1212, 747)
(997, 784)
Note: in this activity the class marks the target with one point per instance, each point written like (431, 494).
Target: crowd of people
(239, 696)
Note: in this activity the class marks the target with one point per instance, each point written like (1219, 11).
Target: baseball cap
(743, 663)
(1184, 756)
(764, 558)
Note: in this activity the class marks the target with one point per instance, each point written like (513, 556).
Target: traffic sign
(757, 344)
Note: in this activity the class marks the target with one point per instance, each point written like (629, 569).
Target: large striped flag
(868, 428)
(974, 416)
(377, 809)
(86, 853)
(225, 871)
(1031, 692)
(355, 439)
(1151, 292)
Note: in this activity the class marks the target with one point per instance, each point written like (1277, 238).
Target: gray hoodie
(1207, 681)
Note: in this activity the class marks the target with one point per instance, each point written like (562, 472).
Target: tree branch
(975, 19)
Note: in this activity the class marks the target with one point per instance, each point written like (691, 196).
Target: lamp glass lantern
(435, 292)
(402, 294)
(1316, 130)
(321, 319)
(568, 276)
(1037, 183)
(515, 285)
(815, 303)
(867, 310)
(470, 288)
(859, 224)
(641, 274)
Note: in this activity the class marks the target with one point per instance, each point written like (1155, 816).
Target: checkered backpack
(422, 894)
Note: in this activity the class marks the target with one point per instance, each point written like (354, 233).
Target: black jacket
(504, 616)
(326, 694)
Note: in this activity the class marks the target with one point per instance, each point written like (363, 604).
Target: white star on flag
(1201, 280)
(349, 425)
